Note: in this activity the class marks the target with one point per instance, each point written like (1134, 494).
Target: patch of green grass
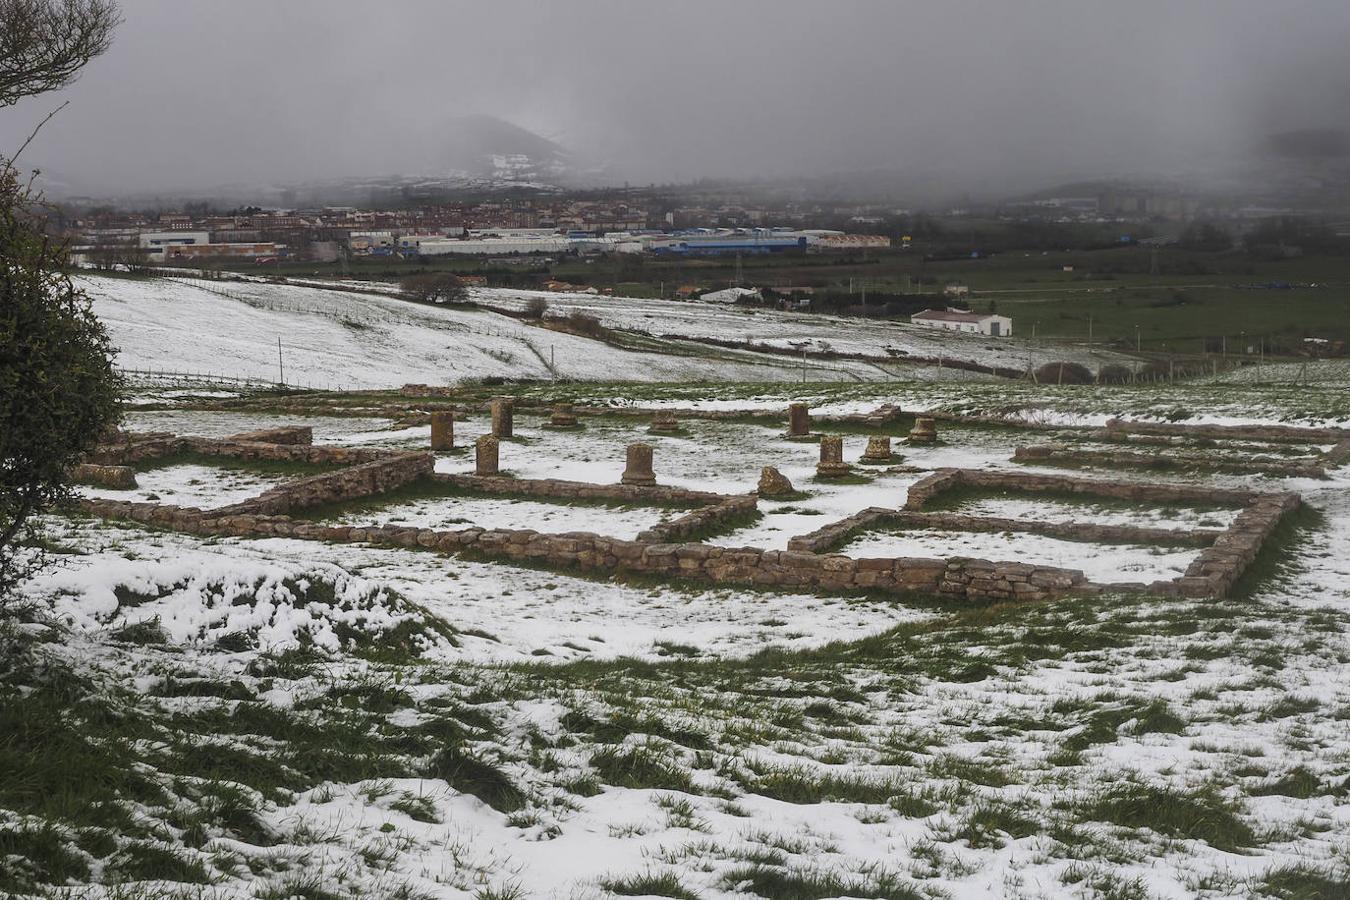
(1301, 783)
(417, 807)
(780, 883)
(972, 771)
(1305, 882)
(649, 885)
(641, 766)
(38, 855)
(985, 824)
(622, 724)
(1196, 815)
(801, 784)
(145, 861)
(470, 774)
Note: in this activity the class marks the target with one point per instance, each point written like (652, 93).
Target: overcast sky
(196, 93)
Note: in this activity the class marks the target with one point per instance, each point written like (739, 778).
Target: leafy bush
(1064, 373)
(59, 392)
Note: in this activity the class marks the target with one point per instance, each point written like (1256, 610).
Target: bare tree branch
(45, 120)
(44, 43)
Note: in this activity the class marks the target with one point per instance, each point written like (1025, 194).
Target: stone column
(664, 422)
(799, 421)
(831, 463)
(485, 455)
(924, 432)
(639, 468)
(878, 449)
(503, 417)
(564, 416)
(442, 431)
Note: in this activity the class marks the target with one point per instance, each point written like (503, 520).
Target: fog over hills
(938, 99)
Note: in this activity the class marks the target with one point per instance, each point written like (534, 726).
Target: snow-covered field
(754, 327)
(1122, 563)
(343, 340)
(343, 721)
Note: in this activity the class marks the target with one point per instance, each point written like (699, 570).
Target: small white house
(968, 322)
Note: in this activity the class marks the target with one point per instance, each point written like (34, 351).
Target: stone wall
(1064, 455)
(285, 434)
(367, 479)
(943, 480)
(713, 511)
(837, 534)
(1226, 554)
(664, 550)
(118, 478)
(958, 579)
(1278, 433)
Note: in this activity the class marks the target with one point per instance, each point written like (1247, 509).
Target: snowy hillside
(764, 328)
(339, 339)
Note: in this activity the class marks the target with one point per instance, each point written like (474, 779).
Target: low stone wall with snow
(1268, 433)
(368, 479)
(957, 579)
(943, 480)
(1225, 557)
(712, 511)
(664, 551)
(836, 534)
(1064, 455)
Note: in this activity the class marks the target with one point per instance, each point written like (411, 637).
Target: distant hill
(487, 146)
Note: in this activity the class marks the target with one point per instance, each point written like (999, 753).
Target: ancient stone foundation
(832, 463)
(1246, 464)
(442, 431)
(666, 551)
(503, 417)
(290, 435)
(638, 471)
(486, 461)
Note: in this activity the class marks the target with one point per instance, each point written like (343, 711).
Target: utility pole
(1089, 329)
(281, 366)
(1136, 339)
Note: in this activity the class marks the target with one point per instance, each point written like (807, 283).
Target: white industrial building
(961, 320)
(154, 242)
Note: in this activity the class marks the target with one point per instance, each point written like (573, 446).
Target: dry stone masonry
(1247, 464)
(118, 478)
(668, 549)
